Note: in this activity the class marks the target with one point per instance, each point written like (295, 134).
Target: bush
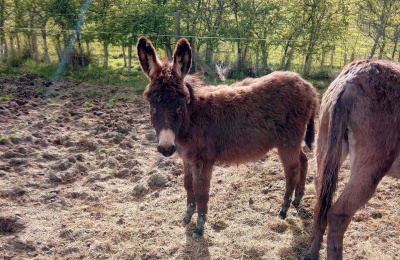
(76, 59)
(17, 60)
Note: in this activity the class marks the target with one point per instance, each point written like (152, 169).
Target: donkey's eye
(178, 109)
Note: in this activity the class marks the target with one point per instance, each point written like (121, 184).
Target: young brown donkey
(360, 115)
(227, 124)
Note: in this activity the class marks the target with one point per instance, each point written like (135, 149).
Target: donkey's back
(248, 118)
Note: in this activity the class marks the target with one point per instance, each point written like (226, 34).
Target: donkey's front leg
(188, 169)
(201, 184)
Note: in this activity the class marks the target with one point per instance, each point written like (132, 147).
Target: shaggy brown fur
(228, 124)
(360, 115)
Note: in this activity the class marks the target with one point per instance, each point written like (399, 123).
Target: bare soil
(80, 178)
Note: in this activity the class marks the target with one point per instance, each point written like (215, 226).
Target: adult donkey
(360, 115)
(227, 124)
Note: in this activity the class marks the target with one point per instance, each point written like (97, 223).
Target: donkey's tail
(310, 132)
(330, 158)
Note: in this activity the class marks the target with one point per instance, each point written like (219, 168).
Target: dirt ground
(80, 178)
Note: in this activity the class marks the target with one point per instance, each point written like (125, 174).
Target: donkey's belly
(243, 153)
(395, 169)
(234, 154)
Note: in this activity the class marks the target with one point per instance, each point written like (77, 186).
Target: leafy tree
(375, 17)
(4, 15)
(102, 15)
(323, 19)
(43, 18)
(64, 15)
(19, 11)
(128, 24)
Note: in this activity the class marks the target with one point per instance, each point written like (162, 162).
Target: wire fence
(224, 57)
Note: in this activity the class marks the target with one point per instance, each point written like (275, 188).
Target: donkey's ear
(149, 62)
(182, 58)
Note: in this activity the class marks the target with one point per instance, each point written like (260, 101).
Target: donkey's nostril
(172, 149)
(166, 151)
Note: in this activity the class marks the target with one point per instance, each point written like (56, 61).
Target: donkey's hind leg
(290, 158)
(191, 200)
(365, 176)
(302, 182)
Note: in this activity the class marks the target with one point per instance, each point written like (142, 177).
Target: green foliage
(269, 35)
(41, 91)
(88, 105)
(91, 74)
(5, 98)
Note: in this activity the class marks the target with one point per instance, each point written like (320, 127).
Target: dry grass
(79, 185)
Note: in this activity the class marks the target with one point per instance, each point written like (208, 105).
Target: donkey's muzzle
(166, 142)
(166, 151)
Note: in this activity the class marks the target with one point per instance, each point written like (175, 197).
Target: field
(80, 178)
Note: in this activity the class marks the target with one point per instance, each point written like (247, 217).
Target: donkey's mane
(193, 81)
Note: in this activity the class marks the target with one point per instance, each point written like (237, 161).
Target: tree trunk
(1, 50)
(309, 65)
(345, 58)
(375, 45)
(5, 48)
(12, 50)
(2, 34)
(264, 57)
(88, 48)
(2, 56)
(284, 56)
(209, 53)
(289, 59)
(306, 64)
(398, 59)
(238, 58)
(256, 63)
(168, 50)
(394, 48)
(78, 39)
(129, 57)
(331, 62)
(65, 40)
(196, 52)
(124, 55)
(18, 44)
(59, 51)
(33, 37)
(45, 49)
(34, 45)
(30, 47)
(322, 62)
(381, 49)
(105, 45)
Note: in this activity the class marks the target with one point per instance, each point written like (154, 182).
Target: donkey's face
(167, 94)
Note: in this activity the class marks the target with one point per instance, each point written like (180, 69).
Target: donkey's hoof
(186, 220)
(296, 203)
(282, 214)
(197, 233)
(309, 258)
